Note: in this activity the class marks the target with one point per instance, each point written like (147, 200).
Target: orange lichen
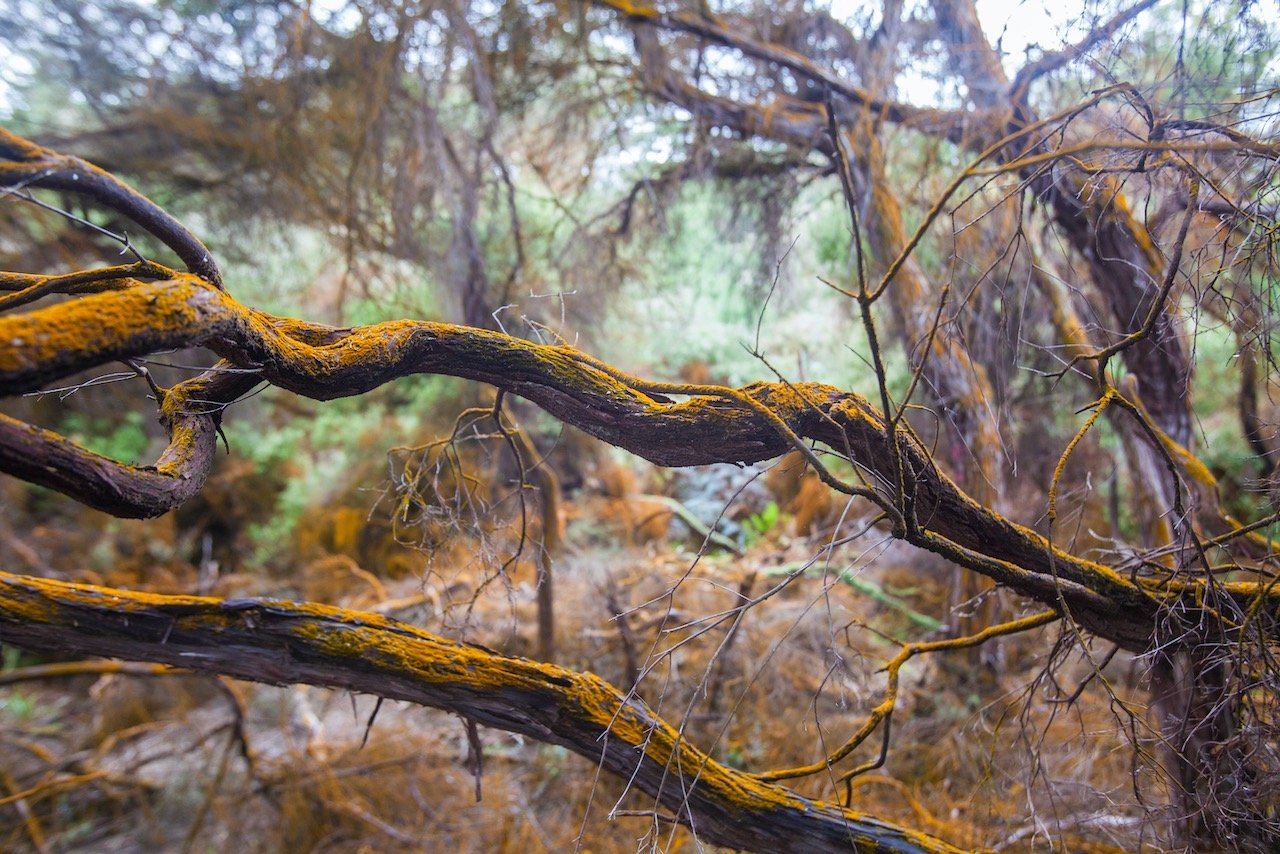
(328, 645)
(751, 423)
(100, 327)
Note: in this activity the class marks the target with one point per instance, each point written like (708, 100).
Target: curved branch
(755, 423)
(192, 413)
(25, 164)
(706, 26)
(281, 642)
(883, 713)
(1051, 61)
(1093, 215)
(27, 288)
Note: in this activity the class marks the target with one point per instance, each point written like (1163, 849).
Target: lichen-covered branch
(192, 412)
(883, 712)
(325, 362)
(282, 642)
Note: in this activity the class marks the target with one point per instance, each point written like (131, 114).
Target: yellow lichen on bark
(282, 641)
(711, 423)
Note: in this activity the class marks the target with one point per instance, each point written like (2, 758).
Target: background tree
(1070, 234)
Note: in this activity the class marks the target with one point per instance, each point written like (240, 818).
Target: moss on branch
(283, 642)
(754, 423)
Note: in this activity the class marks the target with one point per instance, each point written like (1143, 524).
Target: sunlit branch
(883, 713)
(327, 362)
(28, 288)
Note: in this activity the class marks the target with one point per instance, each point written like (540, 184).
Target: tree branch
(1051, 61)
(25, 164)
(280, 642)
(757, 422)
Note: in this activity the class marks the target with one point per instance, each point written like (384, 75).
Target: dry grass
(1002, 761)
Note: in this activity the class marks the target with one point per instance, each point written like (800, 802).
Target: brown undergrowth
(129, 760)
(647, 596)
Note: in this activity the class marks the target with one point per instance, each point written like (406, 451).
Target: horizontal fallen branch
(281, 642)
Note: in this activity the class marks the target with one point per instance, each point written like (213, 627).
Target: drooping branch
(883, 712)
(192, 413)
(1051, 61)
(706, 26)
(1092, 214)
(710, 424)
(280, 642)
(1094, 217)
(24, 164)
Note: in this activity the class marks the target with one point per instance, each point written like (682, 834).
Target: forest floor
(996, 750)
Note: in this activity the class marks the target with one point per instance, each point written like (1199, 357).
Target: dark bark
(712, 425)
(25, 164)
(281, 642)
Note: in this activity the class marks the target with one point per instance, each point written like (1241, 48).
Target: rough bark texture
(281, 642)
(149, 309)
(1095, 219)
(711, 425)
(25, 164)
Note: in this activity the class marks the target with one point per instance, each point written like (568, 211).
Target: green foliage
(324, 452)
(760, 524)
(16, 704)
(1224, 448)
(694, 272)
(698, 294)
(1215, 55)
(12, 658)
(19, 706)
(832, 239)
(125, 440)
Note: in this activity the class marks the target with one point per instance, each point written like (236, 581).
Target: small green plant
(759, 524)
(19, 706)
(11, 658)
